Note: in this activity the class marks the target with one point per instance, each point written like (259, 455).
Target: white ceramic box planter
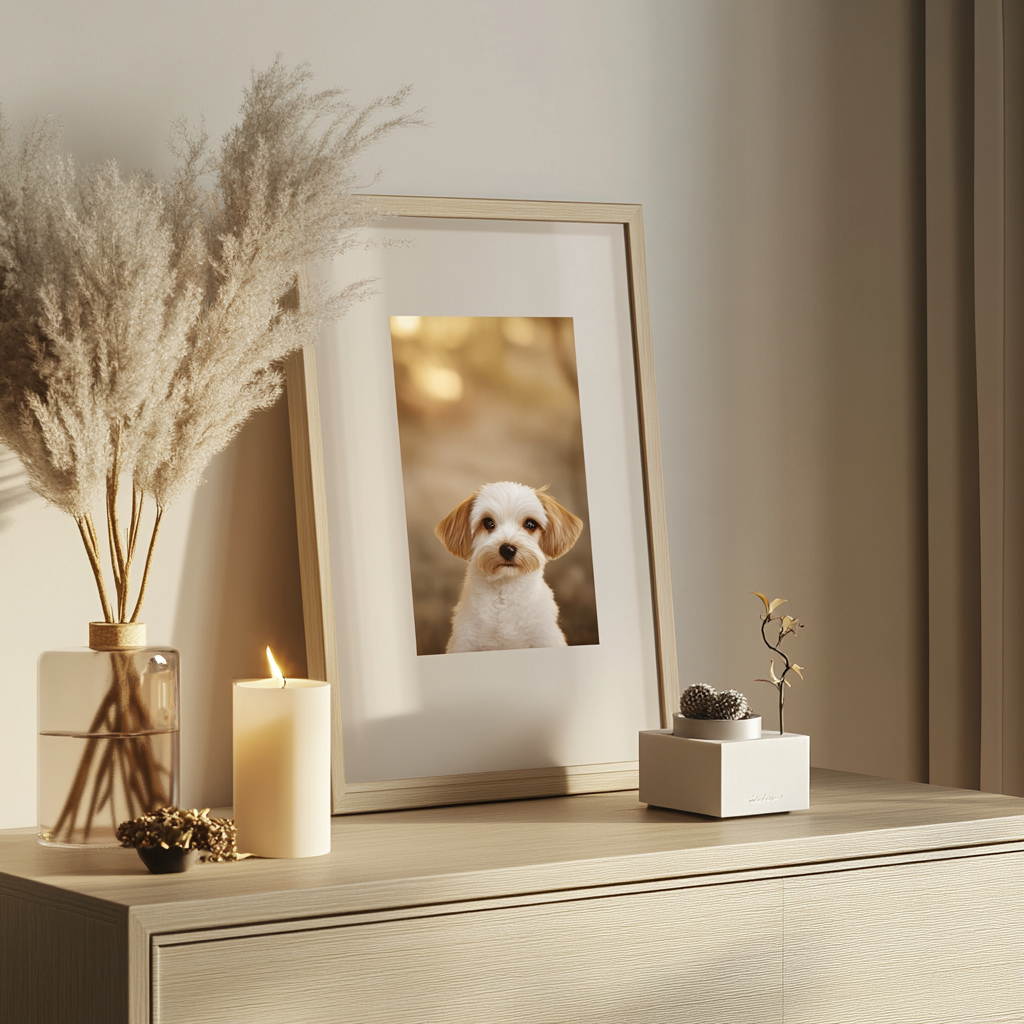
(725, 778)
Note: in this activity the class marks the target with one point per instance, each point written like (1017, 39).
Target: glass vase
(108, 735)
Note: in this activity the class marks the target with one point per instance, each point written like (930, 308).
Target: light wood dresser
(886, 901)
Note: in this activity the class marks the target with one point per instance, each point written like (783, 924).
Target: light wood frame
(314, 551)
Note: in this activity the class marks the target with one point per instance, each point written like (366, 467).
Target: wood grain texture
(448, 207)
(490, 851)
(484, 787)
(650, 447)
(855, 871)
(935, 942)
(61, 967)
(314, 541)
(708, 954)
(139, 971)
(312, 518)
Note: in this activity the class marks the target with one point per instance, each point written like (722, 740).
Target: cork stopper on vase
(115, 636)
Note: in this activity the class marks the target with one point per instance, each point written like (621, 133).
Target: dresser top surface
(484, 851)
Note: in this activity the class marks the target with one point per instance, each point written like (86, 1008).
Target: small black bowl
(171, 860)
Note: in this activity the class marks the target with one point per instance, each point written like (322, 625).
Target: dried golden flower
(787, 626)
(190, 830)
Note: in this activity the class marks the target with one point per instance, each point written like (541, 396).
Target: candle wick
(284, 682)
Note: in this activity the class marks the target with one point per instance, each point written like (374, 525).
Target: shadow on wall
(240, 591)
(14, 489)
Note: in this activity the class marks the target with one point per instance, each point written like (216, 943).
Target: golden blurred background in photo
(483, 399)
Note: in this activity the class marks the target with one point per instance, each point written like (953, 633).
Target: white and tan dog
(508, 532)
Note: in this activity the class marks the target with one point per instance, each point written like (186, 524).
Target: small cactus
(696, 700)
(730, 704)
(703, 701)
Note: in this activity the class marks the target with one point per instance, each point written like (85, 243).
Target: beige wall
(773, 147)
(789, 326)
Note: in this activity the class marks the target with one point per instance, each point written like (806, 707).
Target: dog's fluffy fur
(507, 532)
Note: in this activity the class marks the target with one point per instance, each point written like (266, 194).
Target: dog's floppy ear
(563, 529)
(453, 531)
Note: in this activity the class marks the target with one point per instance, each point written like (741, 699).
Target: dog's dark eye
(487, 523)
(530, 524)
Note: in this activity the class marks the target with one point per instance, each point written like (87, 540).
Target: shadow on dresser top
(570, 845)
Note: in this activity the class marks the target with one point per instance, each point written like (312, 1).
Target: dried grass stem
(85, 528)
(149, 562)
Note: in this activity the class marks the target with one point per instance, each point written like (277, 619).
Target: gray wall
(774, 145)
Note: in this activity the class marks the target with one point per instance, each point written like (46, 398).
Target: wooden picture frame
(313, 485)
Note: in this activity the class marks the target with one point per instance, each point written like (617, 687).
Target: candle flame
(274, 670)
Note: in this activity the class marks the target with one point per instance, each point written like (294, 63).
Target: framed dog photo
(481, 524)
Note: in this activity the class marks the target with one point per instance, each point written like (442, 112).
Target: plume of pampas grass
(142, 323)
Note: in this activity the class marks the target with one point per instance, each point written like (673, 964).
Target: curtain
(974, 162)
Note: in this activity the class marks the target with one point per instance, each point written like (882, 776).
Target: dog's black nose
(507, 551)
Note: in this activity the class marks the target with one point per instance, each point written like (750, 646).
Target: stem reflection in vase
(108, 735)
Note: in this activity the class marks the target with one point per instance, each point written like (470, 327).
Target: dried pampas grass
(142, 323)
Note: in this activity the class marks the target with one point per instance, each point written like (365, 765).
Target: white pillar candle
(282, 767)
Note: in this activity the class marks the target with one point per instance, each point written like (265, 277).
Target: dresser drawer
(711, 953)
(940, 942)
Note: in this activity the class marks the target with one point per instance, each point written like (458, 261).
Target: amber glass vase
(108, 735)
